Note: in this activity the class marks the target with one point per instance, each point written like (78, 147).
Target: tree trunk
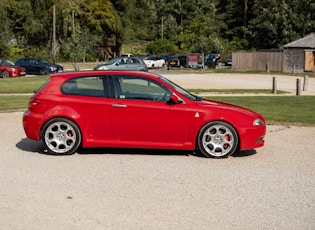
(245, 17)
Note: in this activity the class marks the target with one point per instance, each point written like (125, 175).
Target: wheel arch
(219, 120)
(60, 117)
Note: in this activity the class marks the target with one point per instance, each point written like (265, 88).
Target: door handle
(119, 105)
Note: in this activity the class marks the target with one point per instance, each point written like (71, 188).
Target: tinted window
(134, 60)
(129, 87)
(96, 86)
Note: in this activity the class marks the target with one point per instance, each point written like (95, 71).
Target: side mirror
(117, 64)
(173, 99)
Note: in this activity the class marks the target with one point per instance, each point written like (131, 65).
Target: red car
(9, 69)
(133, 109)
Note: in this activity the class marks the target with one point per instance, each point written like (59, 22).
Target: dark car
(38, 66)
(228, 61)
(123, 63)
(211, 60)
(9, 69)
(136, 109)
(177, 61)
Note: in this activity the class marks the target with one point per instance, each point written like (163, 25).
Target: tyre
(217, 139)
(5, 74)
(44, 71)
(61, 136)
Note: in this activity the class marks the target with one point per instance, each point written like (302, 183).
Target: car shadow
(245, 153)
(126, 151)
(29, 145)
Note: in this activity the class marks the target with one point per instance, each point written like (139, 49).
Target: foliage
(97, 29)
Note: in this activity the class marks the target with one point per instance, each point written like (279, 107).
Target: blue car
(38, 66)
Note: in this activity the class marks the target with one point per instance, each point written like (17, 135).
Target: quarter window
(96, 86)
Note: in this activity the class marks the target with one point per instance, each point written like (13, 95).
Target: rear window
(96, 86)
(40, 88)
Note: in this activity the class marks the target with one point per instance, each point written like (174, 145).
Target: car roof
(73, 74)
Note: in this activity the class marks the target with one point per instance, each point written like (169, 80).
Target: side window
(138, 88)
(123, 61)
(96, 86)
(135, 61)
(32, 61)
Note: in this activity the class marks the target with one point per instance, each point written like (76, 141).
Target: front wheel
(217, 139)
(61, 136)
(5, 74)
(44, 71)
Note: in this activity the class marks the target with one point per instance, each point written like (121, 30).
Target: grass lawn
(276, 109)
(284, 109)
(22, 84)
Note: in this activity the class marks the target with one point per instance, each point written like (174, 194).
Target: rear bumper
(31, 125)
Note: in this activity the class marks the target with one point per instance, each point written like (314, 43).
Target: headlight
(103, 67)
(53, 68)
(258, 122)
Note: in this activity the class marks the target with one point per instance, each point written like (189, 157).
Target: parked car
(211, 60)
(133, 109)
(228, 61)
(9, 69)
(38, 66)
(123, 63)
(173, 62)
(154, 62)
(180, 61)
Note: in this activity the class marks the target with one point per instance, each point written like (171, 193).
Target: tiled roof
(307, 42)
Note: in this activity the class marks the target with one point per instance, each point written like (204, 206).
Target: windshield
(44, 61)
(7, 63)
(181, 90)
(112, 61)
(151, 58)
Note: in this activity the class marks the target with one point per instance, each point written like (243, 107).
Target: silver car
(123, 63)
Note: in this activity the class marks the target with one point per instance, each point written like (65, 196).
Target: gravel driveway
(268, 188)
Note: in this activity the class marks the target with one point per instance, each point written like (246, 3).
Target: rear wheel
(217, 139)
(61, 136)
(5, 74)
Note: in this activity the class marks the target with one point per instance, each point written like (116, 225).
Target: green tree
(6, 30)
(303, 16)
(272, 25)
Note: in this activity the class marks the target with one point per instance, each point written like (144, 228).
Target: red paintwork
(141, 124)
(13, 70)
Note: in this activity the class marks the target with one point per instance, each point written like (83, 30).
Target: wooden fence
(258, 61)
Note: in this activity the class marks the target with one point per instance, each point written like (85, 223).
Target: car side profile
(9, 69)
(154, 62)
(38, 66)
(123, 63)
(133, 109)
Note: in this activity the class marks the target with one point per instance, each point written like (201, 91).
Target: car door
(141, 117)
(34, 66)
(26, 64)
(121, 64)
(133, 64)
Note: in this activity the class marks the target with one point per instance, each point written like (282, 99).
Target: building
(299, 56)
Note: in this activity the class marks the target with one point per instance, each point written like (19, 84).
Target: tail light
(34, 102)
